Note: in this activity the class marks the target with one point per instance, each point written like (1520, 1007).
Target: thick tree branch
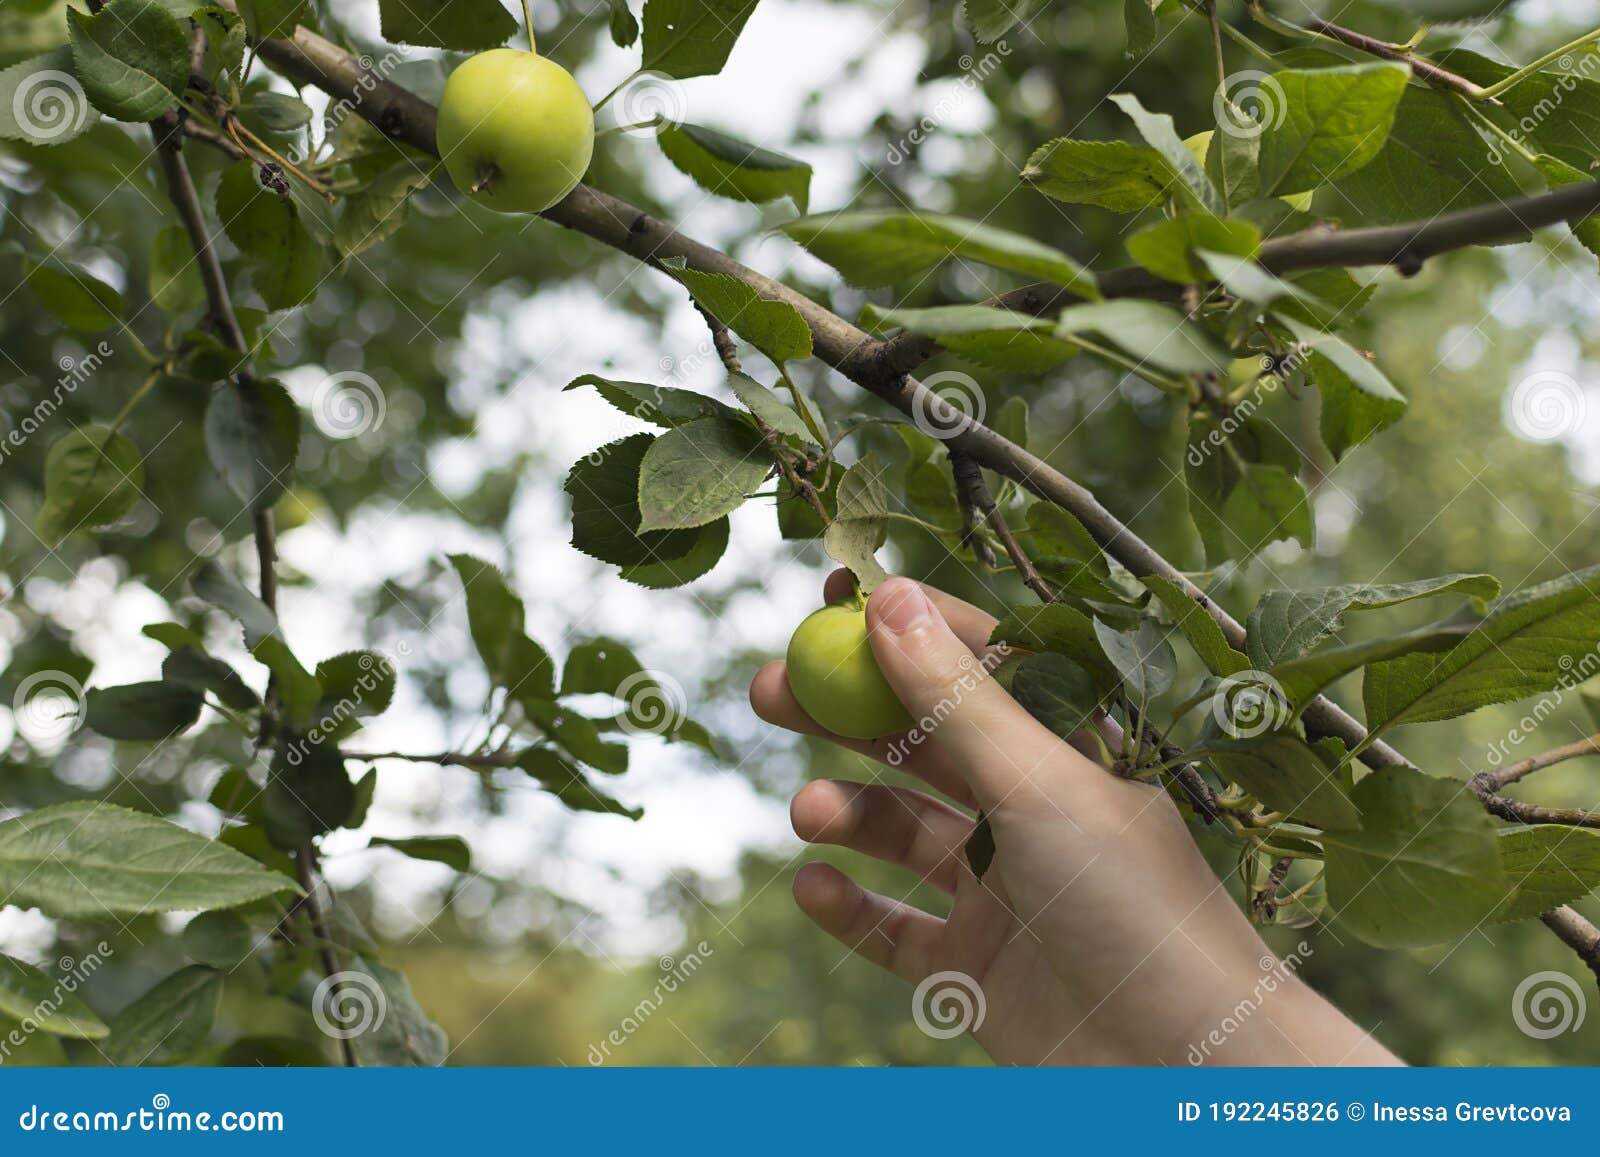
(1578, 934)
(881, 367)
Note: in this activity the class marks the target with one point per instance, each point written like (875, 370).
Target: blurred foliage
(1447, 489)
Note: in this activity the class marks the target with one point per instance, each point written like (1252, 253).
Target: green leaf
(697, 473)
(462, 25)
(1154, 334)
(873, 247)
(1142, 656)
(174, 277)
(496, 617)
(397, 1031)
(564, 781)
(687, 38)
(219, 588)
(730, 167)
(286, 263)
(1557, 173)
(88, 860)
(604, 488)
(80, 299)
(1301, 679)
(1115, 175)
(42, 103)
(1243, 492)
(1433, 162)
(169, 1023)
(1249, 282)
(1555, 111)
(253, 438)
(577, 735)
(1423, 869)
(1202, 631)
(353, 685)
(219, 939)
(1357, 400)
(1529, 642)
(1332, 121)
(1233, 155)
(662, 406)
(142, 712)
(1546, 866)
(599, 667)
(132, 58)
(374, 212)
(773, 327)
(308, 790)
(192, 668)
(1285, 624)
(1159, 133)
(1139, 21)
(624, 28)
(275, 18)
(860, 523)
(28, 995)
(979, 848)
(451, 851)
(766, 405)
(1168, 249)
(225, 42)
(1056, 691)
(298, 690)
(1061, 628)
(1287, 775)
(92, 477)
(1016, 342)
(711, 543)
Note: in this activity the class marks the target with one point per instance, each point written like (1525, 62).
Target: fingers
(895, 825)
(998, 746)
(773, 701)
(892, 935)
(971, 625)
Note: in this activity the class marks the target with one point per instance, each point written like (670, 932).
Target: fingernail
(901, 606)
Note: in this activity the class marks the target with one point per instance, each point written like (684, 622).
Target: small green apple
(515, 130)
(836, 679)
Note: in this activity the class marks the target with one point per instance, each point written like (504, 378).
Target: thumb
(997, 745)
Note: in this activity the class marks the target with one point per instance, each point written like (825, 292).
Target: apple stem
(527, 20)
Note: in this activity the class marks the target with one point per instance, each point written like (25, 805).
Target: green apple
(834, 676)
(515, 130)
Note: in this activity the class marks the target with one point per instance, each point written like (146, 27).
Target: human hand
(1099, 935)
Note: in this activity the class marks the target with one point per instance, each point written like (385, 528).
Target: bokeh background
(469, 325)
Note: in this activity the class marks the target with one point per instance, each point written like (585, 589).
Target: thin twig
(305, 861)
(1500, 777)
(1423, 69)
(1576, 933)
(969, 479)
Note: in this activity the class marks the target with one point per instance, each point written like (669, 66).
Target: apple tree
(1326, 164)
